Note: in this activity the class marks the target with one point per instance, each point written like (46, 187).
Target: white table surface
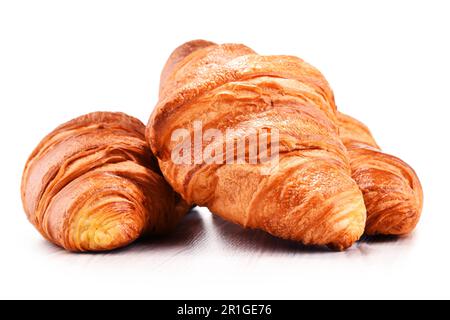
(207, 257)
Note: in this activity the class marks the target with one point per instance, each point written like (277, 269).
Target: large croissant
(391, 189)
(93, 185)
(308, 195)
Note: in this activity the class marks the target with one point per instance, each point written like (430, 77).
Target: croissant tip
(398, 230)
(107, 238)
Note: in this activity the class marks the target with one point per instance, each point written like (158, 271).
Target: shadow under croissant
(189, 231)
(250, 240)
(187, 234)
(384, 239)
(192, 231)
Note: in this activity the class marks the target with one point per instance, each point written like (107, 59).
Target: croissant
(93, 185)
(307, 193)
(392, 191)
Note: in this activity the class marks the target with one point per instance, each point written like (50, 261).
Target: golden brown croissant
(391, 189)
(308, 194)
(93, 185)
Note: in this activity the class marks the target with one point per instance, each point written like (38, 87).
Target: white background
(388, 63)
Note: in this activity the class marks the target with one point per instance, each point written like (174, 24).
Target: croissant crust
(392, 191)
(93, 185)
(309, 195)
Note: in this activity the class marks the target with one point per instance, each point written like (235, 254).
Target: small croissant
(392, 191)
(93, 185)
(308, 195)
